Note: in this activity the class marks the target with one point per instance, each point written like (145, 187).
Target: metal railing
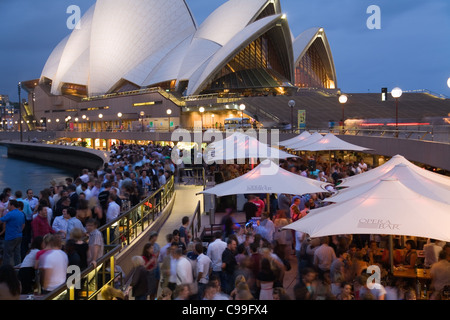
(118, 233)
(194, 175)
(123, 230)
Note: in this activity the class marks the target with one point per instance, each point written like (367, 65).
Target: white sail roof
(148, 42)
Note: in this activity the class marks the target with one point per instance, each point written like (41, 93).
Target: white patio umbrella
(331, 143)
(389, 207)
(301, 137)
(268, 178)
(409, 176)
(240, 146)
(378, 172)
(316, 136)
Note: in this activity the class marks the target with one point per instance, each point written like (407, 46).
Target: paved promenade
(185, 203)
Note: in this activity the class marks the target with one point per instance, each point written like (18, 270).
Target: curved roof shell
(147, 42)
(305, 40)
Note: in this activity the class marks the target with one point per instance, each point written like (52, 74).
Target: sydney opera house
(122, 68)
(242, 48)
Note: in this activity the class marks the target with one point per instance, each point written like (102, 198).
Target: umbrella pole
(391, 253)
(329, 163)
(268, 203)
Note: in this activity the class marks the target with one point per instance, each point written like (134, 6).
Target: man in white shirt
(53, 266)
(112, 213)
(266, 228)
(73, 222)
(362, 165)
(60, 223)
(113, 210)
(440, 274)
(203, 269)
(324, 256)
(31, 199)
(87, 192)
(161, 177)
(184, 268)
(214, 252)
(431, 252)
(85, 175)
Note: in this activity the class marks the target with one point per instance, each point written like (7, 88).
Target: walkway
(185, 204)
(186, 201)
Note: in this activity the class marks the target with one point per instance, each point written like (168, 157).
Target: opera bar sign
(377, 224)
(259, 188)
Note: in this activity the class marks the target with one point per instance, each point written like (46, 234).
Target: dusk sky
(411, 50)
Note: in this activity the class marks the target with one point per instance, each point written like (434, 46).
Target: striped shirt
(95, 239)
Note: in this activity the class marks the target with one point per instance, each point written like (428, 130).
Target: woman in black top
(265, 280)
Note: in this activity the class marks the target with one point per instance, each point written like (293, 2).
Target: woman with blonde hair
(137, 279)
(166, 294)
(110, 293)
(239, 279)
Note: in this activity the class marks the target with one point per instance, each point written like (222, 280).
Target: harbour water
(21, 175)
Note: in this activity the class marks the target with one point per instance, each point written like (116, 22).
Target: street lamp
(142, 114)
(169, 112)
(242, 108)
(448, 82)
(120, 115)
(291, 104)
(396, 93)
(343, 100)
(201, 112)
(20, 111)
(100, 116)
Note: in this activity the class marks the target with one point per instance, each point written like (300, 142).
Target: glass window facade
(256, 66)
(311, 71)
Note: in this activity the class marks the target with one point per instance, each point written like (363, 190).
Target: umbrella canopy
(242, 146)
(307, 141)
(378, 172)
(389, 208)
(301, 137)
(268, 177)
(329, 143)
(406, 175)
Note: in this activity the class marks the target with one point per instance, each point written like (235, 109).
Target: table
(422, 274)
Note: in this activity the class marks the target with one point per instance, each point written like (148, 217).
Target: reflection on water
(22, 175)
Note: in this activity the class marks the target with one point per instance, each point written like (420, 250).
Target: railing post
(72, 293)
(112, 268)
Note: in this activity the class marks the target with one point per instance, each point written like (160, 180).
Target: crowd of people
(44, 234)
(250, 263)
(244, 261)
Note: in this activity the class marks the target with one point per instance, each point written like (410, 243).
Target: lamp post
(201, 112)
(396, 93)
(291, 104)
(242, 108)
(142, 114)
(100, 116)
(20, 111)
(343, 100)
(169, 112)
(120, 115)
